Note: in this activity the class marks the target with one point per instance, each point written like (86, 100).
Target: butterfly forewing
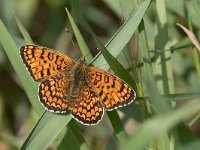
(113, 92)
(43, 62)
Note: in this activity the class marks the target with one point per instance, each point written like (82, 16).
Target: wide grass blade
(124, 34)
(45, 131)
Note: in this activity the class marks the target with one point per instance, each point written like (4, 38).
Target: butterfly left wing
(53, 93)
(43, 62)
(113, 92)
(86, 107)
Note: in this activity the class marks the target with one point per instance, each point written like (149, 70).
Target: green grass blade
(158, 126)
(25, 34)
(158, 105)
(117, 126)
(163, 67)
(175, 97)
(184, 43)
(124, 34)
(45, 131)
(12, 51)
(181, 96)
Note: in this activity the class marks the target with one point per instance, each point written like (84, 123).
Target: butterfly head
(82, 61)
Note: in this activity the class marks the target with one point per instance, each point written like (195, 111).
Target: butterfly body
(67, 85)
(77, 78)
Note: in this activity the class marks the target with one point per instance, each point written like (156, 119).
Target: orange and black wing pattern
(112, 91)
(43, 62)
(85, 91)
(87, 108)
(53, 93)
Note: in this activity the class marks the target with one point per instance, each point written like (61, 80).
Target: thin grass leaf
(115, 65)
(12, 52)
(25, 34)
(123, 74)
(174, 97)
(181, 96)
(117, 126)
(184, 43)
(158, 126)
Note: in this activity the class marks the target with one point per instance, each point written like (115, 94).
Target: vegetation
(143, 46)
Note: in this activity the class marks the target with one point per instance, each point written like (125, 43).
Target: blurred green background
(46, 21)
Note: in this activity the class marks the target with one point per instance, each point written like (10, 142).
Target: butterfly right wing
(43, 62)
(113, 92)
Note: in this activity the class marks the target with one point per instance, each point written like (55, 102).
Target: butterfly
(67, 85)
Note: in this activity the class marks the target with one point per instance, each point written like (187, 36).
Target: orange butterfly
(65, 84)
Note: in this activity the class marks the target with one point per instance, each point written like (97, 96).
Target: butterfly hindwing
(53, 93)
(87, 108)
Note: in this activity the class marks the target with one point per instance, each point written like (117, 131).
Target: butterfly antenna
(73, 43)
